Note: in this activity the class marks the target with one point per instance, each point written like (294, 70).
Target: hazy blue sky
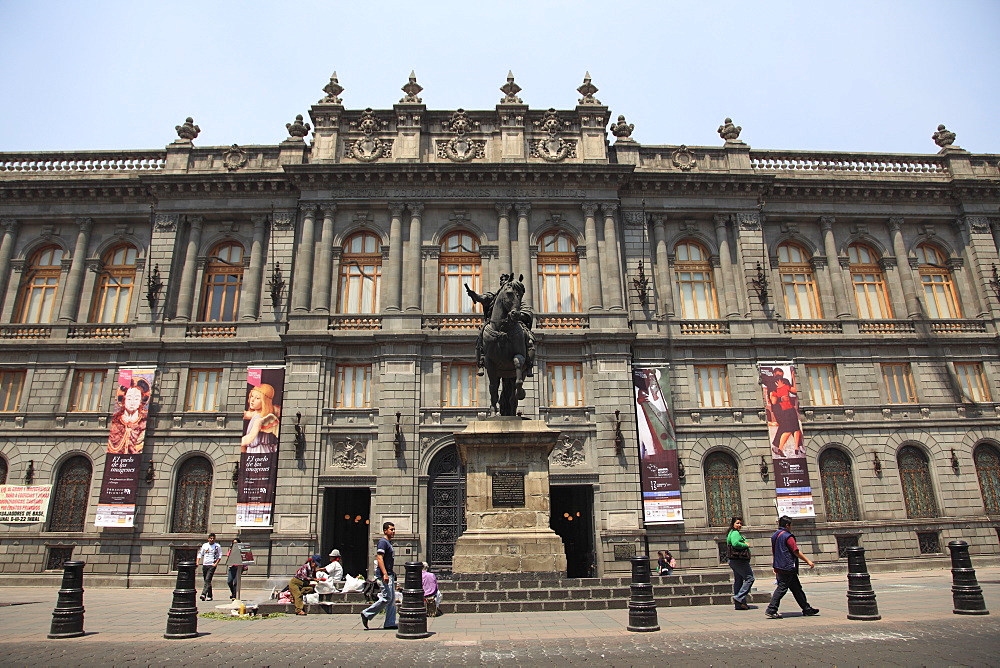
(872, 76)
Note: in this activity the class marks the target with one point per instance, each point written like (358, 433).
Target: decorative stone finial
(298, 128)
(510, 90)
(728, 131)
(622, 130)
(333, 91)
(189, 130)
(587, 90)
(411, 88)
(943, 137)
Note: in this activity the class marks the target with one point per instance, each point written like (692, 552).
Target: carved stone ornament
(568, 451)
(333, 91)
(189, 130)
(943, 137)
(411, 88)
(166, 221)
(749, 221)
(633, 219)
(282, 220)
(552, 148)
(348, 453)
(587, 90)
(369, 148)
(683, 159)
(460, 148)
(978, 224)
(622, 130)
(728, 131)
(510, 91)
(234, 158)
(298, 129)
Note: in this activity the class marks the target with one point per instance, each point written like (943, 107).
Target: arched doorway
(445, 507)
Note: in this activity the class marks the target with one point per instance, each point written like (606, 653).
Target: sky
(875, 76)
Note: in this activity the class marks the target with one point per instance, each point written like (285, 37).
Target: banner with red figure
(659, 470)
(784, 431)
(258, 474)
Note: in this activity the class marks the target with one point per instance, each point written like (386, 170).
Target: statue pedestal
(507, 499)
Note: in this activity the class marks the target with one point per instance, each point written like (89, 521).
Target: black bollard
(182, 619)
(965, 589)
(413, 611)
(860, 595)
(67, 618)
(641, 604)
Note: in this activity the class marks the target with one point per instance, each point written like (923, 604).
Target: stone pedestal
(507, 499)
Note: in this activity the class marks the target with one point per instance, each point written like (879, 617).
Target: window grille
(3, 471)
(192, 495)
(838, 486)
(69, 501)
(915, 477)
(844, 542)
(624, 551)
(929, 541)
(184, 554)
(987, 460)
(723, 547)
(723, 489)
(57, 557)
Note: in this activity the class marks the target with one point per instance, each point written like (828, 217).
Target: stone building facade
(341, 254)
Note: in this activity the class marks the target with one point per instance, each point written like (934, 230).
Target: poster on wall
(24, 504)
(126, 437)
(784, 432)
(258, 473)
(658, 471)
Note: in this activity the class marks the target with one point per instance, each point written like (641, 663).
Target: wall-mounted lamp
(619, 439)
(150, 473)
(236, 475)
(29, 474)
(760, 285)
(995, 283)
(153, 287)
(641, 284)
(397, 439)
(300, 437)
(878, 465)
(680, 470)
(763, 468)
(954, 461)
(276, 285)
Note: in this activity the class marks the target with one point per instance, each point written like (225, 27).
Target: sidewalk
(905, 599)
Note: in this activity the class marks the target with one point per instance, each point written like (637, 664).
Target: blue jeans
(387, 600)
(742, 579)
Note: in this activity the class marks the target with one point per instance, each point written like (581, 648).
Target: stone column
(321, 272)
(524, 253)
(903, 266)
(412, 264)
(250, 301)
(503, 237)
(71, 296)
(840, 299)
(302, 288)
(185, 294)
(730, 300)
(593, 257)
(394, 270)
(611, 259)
(662, 273)
(335, 288)
(6, 251)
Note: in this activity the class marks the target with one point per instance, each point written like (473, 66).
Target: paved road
(125, 627)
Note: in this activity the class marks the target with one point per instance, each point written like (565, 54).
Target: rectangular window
(86, 394)
(972, 381)
(461, 385)
(203, 390)
(713, 386)
(11, 384)
(899, 383)
(824, 390)
(354, 386)
(565, 384)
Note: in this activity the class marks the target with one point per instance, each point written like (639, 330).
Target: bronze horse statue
(506, 347)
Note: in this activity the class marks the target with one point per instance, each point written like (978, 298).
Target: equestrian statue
(505, 347)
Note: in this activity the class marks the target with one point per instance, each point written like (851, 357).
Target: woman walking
(739, 561)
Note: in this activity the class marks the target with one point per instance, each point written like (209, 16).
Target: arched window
(40, 286)
(558, 274)
(694, 281)
(939, 289)
(838, 486)
(798, 285)
(987, 458)
(360, 274)
(115, 285)
(220, 299)
(191, 496)
(459, 263)
(869, 283)
(722, 487)
(915, 476)
(69, 501)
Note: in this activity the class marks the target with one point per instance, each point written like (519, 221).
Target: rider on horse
(525, 321)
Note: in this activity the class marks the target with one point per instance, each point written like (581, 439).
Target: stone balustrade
(849, 163)
(82, 161)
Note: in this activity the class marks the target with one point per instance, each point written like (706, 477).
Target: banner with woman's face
(258, 472)
(780, 396)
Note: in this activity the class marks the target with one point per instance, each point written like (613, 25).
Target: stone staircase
(526, 594)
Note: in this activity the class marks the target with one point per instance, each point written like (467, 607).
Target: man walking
(786, 567)
(208, 556)
(385, 556)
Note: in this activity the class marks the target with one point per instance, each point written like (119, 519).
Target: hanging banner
(784, 432)
(126, 437)
(258, 475)
(24, 504)
(658, 471)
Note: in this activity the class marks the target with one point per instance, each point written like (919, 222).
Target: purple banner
(658, 472)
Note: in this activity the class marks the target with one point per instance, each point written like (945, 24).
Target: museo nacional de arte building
(720, 330)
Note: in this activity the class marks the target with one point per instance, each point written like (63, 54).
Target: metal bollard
(965, 589)
(182, 619)
(67, 618)
(413, 612)
(641, 604)
(860, 595)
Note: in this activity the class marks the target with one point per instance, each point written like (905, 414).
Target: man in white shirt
(208, 556)
(334, 572)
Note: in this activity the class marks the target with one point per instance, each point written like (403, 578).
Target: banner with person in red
(784, 431)
(659, 467)
(258, 474)
(126, 438)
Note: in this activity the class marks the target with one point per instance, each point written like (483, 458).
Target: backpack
(371, 590)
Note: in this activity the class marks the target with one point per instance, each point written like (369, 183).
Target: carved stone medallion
(234, 158)
(348, 453)
(683, 159)
(568, 451)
